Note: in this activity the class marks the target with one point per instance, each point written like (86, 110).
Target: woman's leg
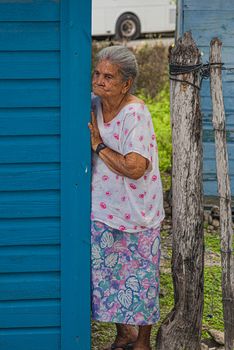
(143, 340)
(125, 334)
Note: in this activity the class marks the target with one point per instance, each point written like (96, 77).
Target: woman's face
(107, 80)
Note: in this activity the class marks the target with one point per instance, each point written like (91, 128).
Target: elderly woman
(127, 203)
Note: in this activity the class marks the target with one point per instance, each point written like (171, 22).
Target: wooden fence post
(227, 258)
(181, 330)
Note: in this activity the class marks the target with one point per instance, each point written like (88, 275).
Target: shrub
(159, 108)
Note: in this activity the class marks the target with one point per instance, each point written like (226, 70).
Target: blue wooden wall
(209, 19)
(44, 174)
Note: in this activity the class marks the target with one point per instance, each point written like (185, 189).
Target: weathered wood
(227, 258)
(181, 330)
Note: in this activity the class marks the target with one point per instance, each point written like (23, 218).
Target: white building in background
(131, 18)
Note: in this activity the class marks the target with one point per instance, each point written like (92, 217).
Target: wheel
(128, 27)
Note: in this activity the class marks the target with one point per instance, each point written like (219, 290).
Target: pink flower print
(133, 186)
(110, 216)
(126, 131)
(154, 178)
(153, 137)
(130, 144)
(108, 193)
(144, 245)
(141, 138)
(150, 207)
(92, 216)
(138, 117)
(105, 178)
(143, 227)
(143, 213)
(122, 228)
(117, 177)
(158, 213)
(103, 205)
(127, 216)
(123, 199)
(135, 227)
(118, 123)
(141, 195)
(145, 177)
(154, 196)
(116, 136)
(151, 145)
(107, 125)
(130, 108)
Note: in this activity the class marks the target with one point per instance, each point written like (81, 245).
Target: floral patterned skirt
(125, 275)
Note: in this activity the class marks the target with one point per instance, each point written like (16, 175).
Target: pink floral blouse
(118, 201)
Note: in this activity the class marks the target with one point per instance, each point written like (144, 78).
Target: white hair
(124, 58)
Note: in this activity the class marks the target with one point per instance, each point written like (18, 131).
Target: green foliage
(159, 108)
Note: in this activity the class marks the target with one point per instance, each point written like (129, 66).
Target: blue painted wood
(29, 121)
(36, 36)
(41, 338)
(208, 24)
(29, 93)
(29, 64)
(20, 177)
(75, 174)
(36, 10)
(29, 204)
(30, 149)
(30, 313)
(217, 5)
(29, 258)
(21, 286)
(30, 231)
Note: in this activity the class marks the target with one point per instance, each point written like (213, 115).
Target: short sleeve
(139, 134)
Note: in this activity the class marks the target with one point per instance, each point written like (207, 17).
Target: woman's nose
(99, 80)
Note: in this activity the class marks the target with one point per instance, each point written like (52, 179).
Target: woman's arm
(133, 165)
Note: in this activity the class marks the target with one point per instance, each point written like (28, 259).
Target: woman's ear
(127, 85)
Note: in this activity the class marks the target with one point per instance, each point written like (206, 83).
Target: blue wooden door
(44, 174)
(206, 20)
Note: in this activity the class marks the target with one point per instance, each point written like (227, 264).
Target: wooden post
(227, 258)
(181, 330)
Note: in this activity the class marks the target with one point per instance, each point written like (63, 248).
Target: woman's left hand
(94, 132)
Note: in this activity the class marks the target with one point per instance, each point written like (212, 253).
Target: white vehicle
(131, 18)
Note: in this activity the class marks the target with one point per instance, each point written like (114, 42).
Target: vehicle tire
(128, 27)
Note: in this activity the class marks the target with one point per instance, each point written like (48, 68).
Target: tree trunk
(227, 258)
(181, 330)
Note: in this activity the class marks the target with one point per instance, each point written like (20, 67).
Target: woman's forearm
(133, 165)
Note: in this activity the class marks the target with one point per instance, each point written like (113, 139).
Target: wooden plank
(228, 86)
(207, 119)
(35, 313)
(206, 25)
(209, 166)
(209, 150)
(21, 286)
(217, 5)
(29, 64)
(29, 231)
(29, 93)
(228, 58)
(29, 149)
(228, 102)
(208, 135)
(31, 338)
(75, 170)
(36, 36)
(21, 177)
(29, 121)
(36, 10)
(29, 258)
(29, 204)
